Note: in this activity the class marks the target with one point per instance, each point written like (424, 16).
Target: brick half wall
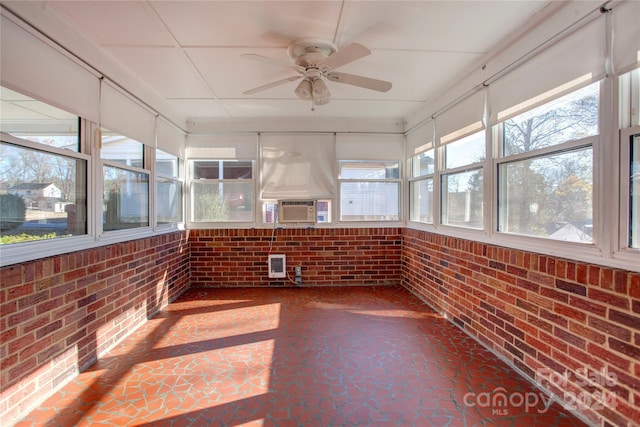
(328, 256)
(58, 314)
(569, 324)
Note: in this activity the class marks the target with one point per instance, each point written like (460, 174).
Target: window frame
(178, 178)
(500, 159)
(399, 181)
(147, 163)
(442, 172)
(623, 247)
(20, 252)
(415, 178)
(219, 224)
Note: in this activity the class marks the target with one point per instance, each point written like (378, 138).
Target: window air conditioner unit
(301, 211)
(277, 266)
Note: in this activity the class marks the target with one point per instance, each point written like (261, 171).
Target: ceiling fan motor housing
(309, 52)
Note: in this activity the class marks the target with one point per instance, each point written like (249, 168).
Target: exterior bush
(12, 211)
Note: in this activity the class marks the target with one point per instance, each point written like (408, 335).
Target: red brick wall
(328, 256)
(58, 314)
(543, 314)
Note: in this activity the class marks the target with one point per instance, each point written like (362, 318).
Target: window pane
(421, 194)
(126, 199)
(465, 151)
(26, 118)
(462, 199)
(324, 211)
(120, 149)
(549, 196)
(369, 201)
(43, 195)
(169, 201)
(222, 169)
(423, 164)
(222, 201)
(634, 194)
(571, 117)
(369, 170)
(167, 164)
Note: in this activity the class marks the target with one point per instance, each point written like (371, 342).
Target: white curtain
(467, 114)
(579, 58)
(420, 138)
(626, 41)
(121, 113)
(170, 139)
(223, 146)
(300, 166)
(35, 68)
(369, 147)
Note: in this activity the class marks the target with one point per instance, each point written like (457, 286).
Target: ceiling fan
(314, 61)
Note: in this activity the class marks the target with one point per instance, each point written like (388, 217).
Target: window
(369, 191)
(44, 195)
(421, 187)
(43, 178)
(168, 189)
(126, 183)
(222, 191)
(461, 184)
(545, 175)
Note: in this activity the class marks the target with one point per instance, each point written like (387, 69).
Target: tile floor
(356, 356)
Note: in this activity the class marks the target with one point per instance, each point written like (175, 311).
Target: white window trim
(610, 208)
(371, 223)
(621, 244)
(179, 178)
(200, 225)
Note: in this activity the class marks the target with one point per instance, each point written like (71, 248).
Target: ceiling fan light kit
(304, 89)
(315, 60)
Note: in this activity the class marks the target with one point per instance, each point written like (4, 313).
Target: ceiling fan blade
(272, 61)
(361, 81)
(344, 56)
(270, 85)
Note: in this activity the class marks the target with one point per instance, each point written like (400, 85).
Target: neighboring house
(38, 195)
(571, 233)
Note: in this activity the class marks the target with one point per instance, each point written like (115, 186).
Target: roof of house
(31, 186)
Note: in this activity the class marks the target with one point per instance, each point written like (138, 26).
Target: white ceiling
(189, 52)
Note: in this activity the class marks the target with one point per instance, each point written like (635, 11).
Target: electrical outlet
(298, 271)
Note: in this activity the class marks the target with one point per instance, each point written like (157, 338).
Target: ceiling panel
(253, 23)
(109, 23)
(199, 107)
(440, 26)
(229, 74)
(166, 69)
(189, 52)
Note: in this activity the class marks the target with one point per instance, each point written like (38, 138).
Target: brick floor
(337, 356)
